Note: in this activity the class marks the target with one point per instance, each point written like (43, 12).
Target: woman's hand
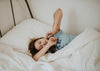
(51, 33)
(40, 53)
(52, 41)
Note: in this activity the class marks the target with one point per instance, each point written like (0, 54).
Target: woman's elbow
(35, 58)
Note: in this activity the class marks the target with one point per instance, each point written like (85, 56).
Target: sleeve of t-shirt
(58, 34)
(71, 37)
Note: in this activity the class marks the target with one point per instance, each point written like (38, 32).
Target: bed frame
(14, 15)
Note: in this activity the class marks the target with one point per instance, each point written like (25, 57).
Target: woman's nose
(43, 43)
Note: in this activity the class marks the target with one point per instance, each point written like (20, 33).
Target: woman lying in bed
(54, 40)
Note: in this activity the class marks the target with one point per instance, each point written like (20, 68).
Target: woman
(54, 40)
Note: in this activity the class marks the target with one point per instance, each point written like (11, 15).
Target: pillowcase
(19, 37)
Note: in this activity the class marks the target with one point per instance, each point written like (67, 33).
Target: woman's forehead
(36, 43)
(40, 39)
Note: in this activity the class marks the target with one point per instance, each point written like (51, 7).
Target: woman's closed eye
(39, 42)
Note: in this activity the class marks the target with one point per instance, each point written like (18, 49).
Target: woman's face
(40, 43)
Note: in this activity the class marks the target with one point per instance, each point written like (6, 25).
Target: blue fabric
(63, 39)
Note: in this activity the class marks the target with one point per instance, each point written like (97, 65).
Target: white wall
(77, 14)
(6, 19)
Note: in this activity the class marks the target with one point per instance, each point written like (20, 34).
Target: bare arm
(57, 20)
(39, 54)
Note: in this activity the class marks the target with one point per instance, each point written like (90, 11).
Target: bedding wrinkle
(81, 54)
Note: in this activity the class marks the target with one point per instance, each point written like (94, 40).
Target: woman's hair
(33, 50)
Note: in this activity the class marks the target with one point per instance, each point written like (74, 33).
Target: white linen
(20, 35)
(82, 54)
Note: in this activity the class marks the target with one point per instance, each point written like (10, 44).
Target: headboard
(14, 11)
(77, 15)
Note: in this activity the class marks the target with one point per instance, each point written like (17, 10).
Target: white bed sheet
(82, 54)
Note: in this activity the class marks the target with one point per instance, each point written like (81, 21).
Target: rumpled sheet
(82, 54)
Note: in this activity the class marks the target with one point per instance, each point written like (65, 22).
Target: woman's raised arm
(41, 52)
(57, 21)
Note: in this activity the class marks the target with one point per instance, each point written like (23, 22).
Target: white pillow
(20, 35)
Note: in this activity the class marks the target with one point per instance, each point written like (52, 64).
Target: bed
(82, 54)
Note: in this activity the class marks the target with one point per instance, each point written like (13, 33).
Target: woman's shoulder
(58, 33)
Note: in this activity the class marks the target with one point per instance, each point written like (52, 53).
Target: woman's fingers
(49, 34)
(53, 38)
(46, 35)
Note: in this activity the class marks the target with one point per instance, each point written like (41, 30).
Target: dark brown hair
(33, 50)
